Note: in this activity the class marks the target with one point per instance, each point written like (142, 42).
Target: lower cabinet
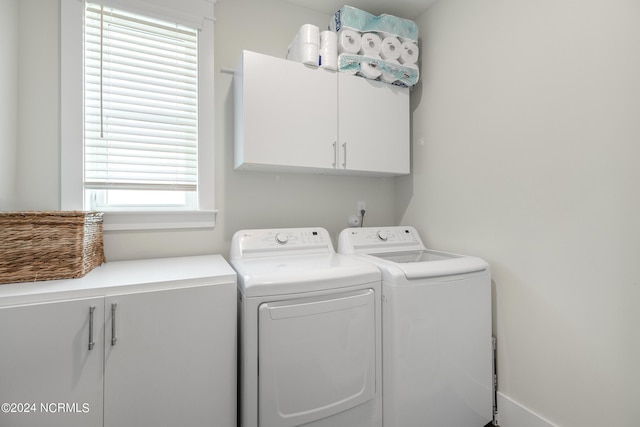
(153, 358)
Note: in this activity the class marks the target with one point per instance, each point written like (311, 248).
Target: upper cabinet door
(285, 115)
(373, 120)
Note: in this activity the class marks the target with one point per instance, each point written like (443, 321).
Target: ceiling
(409, 9)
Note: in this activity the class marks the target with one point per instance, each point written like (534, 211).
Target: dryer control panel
(378, 239)
(275, 242)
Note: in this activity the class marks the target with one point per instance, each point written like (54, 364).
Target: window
(140, 112)
(132, 135)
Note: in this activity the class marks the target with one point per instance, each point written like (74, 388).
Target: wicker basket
(49, 245)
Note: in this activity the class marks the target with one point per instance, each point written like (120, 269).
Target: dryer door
(316, 357)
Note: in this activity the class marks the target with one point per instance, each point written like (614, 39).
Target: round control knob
(383, 235)
(282, 238)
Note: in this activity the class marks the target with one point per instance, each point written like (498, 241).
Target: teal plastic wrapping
(360, 20)
(405, 76)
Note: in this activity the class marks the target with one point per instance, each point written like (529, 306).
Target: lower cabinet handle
(113, 324)
(335, 154)
(344, 163)
(91, 342)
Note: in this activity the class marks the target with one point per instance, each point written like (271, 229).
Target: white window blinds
(141, 102)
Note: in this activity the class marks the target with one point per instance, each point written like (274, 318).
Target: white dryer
(310, 331)
(437, 341)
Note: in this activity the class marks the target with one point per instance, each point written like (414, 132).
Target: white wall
(526, 142)
(245, 200)
(38, 106)
(8, 101)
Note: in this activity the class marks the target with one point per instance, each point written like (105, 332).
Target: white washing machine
(437, 341)
(310, 331)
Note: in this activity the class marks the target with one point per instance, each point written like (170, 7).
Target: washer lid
(428, 263)
(399, 251)
(301, 273)
(415, 256)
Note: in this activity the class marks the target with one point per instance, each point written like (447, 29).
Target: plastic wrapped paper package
(352, 18)
(381, 47)
(328, 50)
(392, 72)
(305, 46)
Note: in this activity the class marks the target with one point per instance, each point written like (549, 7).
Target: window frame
(197, 13)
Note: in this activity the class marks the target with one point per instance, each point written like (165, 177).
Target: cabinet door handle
(113, 324)
(91, 342)
(335, 154)
(344, 159)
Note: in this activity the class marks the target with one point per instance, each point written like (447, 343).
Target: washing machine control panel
(248, 243)
(368, 239)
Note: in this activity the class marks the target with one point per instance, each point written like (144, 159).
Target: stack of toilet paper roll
(305, 46)
(377, 47)
(314, 48)
(328, 50)
(377, 57)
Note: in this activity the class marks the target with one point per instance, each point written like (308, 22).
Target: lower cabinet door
(51, 358)
(170, 358)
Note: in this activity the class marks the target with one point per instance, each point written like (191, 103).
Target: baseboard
(513, 414)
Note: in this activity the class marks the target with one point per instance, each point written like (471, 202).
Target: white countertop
(118, 277)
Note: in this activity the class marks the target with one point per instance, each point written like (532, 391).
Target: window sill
(164, 220)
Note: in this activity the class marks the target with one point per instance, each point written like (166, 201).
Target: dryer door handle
(310, 306)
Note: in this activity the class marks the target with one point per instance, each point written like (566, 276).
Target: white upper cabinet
(290, 117)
